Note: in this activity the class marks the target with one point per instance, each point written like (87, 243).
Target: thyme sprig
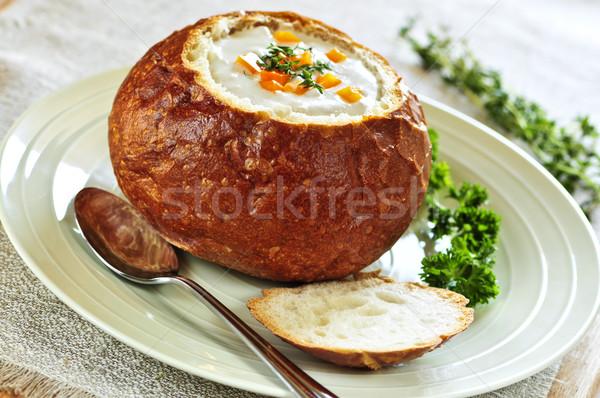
(567, 152)
(281, 59)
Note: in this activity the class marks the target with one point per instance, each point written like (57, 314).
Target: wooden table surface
(578, 377)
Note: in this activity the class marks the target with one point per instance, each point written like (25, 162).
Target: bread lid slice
(366, 323)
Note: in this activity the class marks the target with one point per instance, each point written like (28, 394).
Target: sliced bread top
(369, 322)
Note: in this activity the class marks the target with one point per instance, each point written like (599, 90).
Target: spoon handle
(295, 378)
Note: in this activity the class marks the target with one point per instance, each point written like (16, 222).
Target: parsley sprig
(280, 58)
(567, 152)
(466, 266)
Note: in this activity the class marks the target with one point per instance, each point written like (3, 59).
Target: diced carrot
(283, 36)
(335, 55)
(249, 61)
(350, 94)
(281, 78)
(271, 85)
(328, 80)
(295, 87)
(305, 59)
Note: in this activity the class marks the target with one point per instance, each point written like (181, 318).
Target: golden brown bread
(278, 199)
(365, 323)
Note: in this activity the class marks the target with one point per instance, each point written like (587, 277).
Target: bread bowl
(369, 322)
(274, 184)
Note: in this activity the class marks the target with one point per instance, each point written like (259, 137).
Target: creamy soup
(245, 83)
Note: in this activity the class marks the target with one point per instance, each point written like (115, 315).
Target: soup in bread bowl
(272, 144)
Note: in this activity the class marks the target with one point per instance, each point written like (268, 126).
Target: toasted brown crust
(255, 193)
(358, 357)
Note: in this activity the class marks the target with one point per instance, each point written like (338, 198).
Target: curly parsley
(465, 267)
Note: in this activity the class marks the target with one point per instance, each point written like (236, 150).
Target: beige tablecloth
(548, 50)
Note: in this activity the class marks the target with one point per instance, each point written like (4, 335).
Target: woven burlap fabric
(45, 347)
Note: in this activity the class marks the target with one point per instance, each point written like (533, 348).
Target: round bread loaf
(274, 184)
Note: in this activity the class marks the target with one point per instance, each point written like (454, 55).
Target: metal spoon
(130, 247)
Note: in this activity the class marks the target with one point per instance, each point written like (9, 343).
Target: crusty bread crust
(360, 357)
(256, 193)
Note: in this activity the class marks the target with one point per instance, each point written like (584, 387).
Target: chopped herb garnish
(283, 59)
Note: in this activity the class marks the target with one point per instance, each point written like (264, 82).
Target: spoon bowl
(131, 248)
